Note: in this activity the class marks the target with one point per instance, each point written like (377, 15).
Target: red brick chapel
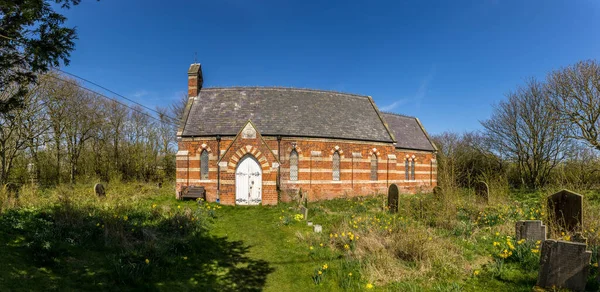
(262, 145)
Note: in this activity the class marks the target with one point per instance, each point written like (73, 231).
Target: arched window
(406, 170)
(294, 165)
(373, 166)
(335, 166)
(204, 165)
(412, 170)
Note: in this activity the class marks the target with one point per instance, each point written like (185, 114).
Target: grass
(67, 239)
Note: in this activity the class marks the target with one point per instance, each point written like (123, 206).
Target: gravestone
(564, 264)
(482, 191)
(437, 191)
(318, 228)
(159, 185)
(565, 209)
(12, 190)
(304, 211)
(99, 190)
(393, 198)
(530, 230)
(309, 223)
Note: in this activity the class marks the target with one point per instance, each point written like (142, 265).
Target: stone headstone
(304, 211)
(309, 223)
(437, 190)
(530, 230)
(393, 198)
(565, 209)
(318, 228)
(482, 191)
(99, 190)
(12, 190)
(159, 185)
(564, 265)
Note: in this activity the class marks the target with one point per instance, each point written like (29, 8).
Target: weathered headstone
(159, 185)
(304, 211)
(565, 209)
(99, 190)
(482, 191)
(530, 230)
(393, 198)
(564, 264)
(318, 228)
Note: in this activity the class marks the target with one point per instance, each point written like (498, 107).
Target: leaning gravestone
(482, 191)
(565, 209)
(564, 265)
(99, 190)
(393, 198)
(530, 230)
(304, 211)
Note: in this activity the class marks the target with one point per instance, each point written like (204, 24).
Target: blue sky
(446, 62)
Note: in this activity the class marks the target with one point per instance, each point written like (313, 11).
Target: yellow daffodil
(476, 272)
(325, 266)
(147, 261)
(369, 286)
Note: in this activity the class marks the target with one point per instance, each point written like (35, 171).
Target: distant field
(141, 238)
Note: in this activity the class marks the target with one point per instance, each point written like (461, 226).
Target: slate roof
(409, 132)
(286, 112)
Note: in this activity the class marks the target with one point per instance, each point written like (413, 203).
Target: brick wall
(315, 176)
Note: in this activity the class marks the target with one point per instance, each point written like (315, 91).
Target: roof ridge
(397, 114)
(284, 88)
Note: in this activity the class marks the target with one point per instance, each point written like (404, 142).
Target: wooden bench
(194, 192)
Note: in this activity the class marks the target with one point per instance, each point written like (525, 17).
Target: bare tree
(525, 129)
(575, 95)
(20, 127)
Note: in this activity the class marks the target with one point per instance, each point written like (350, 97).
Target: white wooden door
(248, 182)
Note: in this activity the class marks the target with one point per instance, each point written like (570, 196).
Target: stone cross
(530, 230)
(564, 265)
(565, 209)
(482, 190)
(393, 198)
(99, 190)
(318, 228)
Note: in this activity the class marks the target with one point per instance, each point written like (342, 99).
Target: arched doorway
(248, 182)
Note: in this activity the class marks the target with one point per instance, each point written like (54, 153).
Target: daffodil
(369, 286)
(147, 261)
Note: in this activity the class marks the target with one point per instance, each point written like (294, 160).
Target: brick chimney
(194, 79)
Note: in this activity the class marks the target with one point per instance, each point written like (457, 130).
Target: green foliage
(33, 38)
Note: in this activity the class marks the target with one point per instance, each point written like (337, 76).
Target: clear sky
(446, 62)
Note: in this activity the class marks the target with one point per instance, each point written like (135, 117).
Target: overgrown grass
(67, 239)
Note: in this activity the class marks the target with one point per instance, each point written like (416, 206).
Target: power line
(172, 120)
(115, 100)
(130, 100)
